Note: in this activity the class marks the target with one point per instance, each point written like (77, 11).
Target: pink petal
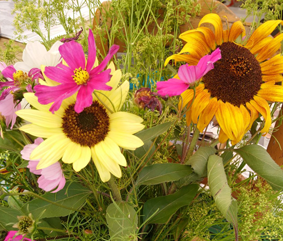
(32, 167)
(56, 94)
(91, 51)
(61, 184)
(206, 63)
(11, 234)
(46, 184)
(9, 71)
(2, 66)
(113, 50)
(171, 87)
(52, 172)
(98, 81)
(84, 98)
(63, 76)
(14, 116)
(73, 53)
(187, 73)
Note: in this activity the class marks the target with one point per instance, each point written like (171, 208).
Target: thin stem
(193, 144)
(115, 190)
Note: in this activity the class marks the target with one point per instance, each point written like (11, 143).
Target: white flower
(35, 55)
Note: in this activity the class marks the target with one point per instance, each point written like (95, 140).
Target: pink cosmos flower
(77, 77)
(11, 234)
(51, 177)
(188, 75)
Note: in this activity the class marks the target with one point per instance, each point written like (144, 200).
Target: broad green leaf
(59, 204)
(122, 221)
(198, 161)
(149, 134)
(158, 210)
(220, 190)
(8, 217)
(162, 172)
(226, 156)
(193, 177)
(50, 224)
(141, 151)
(261, 162)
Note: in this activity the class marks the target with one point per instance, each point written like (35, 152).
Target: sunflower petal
(83, 160)
(124, 140)
(273, 77)
(72, 153)
(102, 170)
(40, 131)
(188, 95)
(102, 154)
(262, 107)
(200, 102)
(207, 114)
(114, 152)
(40, 118)
(196, 37)
(254, 114)
(192, 60)
(272, 93)
(236, 29)
(215, 20)
(222, 136)
(262, 32)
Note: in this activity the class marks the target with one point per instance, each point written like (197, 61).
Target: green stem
(115, 190)
(193, 144)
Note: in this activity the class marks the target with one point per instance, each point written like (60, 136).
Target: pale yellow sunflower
(96, 133)
(242, 82)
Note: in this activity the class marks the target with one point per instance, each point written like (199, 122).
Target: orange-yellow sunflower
(242, 81)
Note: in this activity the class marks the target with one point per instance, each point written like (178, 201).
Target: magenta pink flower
(11, 234)
(188, 75)
(51, 177)
(78, 77)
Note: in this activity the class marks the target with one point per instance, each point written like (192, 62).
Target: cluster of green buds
(26, 225)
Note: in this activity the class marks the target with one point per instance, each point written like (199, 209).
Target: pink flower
(77, 77)
(51, 177)
(11, 234)
(188, 75)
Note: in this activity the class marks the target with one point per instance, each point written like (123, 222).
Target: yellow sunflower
(242, 81)
(97, 132)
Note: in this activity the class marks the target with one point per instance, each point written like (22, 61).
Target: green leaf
(122, 221)
(59, 204)
(51, 223)
(261, 162)
(199, 160)
(158, 210)
(149, 134)
(8, 217)
(227, 156)
(162, 172)
(220, 190)
(141, 151)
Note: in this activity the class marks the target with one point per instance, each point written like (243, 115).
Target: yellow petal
(111, 148)
(188, 95)
(83, 159)
(222, 136)
(102, 170)
(225, 35)
(192, 60)
(189, 116)
(269, 50)
(200, 102)
(262, 107)
(254, 115)
(215, 20)
(246, 116)
(207, 114)
(33, 100)
(126, 141)
(236, 29)
(129, 117)
(53, 150)
(40, 131)
(262, 32)
(107, 161)
(272, 93)
(272, 77)
(125, 127)
(196, 37)
(257, 47)
(40, 118)
(207, 34)
(195, 48)
(72, 153)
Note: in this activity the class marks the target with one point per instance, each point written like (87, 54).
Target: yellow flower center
(20, 77)
(87, 128)
(80, 76)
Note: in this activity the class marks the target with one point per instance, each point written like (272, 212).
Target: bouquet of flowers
(82, 159)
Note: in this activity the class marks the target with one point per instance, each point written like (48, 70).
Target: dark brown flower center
(236, 77)
(88, 127)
